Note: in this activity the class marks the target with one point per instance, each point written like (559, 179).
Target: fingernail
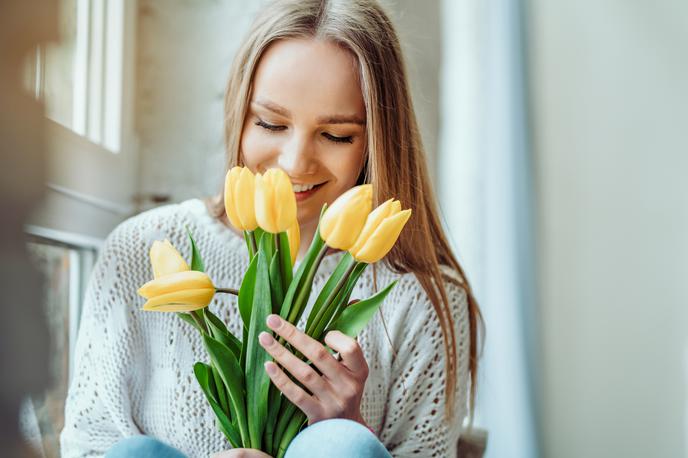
(270, 368)
(265, 338)
(274, 321)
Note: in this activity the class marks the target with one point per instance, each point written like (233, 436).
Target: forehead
(309, 77)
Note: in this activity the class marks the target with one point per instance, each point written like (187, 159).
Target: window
(87, 83)
(65, 262)
(81, 78)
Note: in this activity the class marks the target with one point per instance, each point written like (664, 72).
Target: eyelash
(332, 138)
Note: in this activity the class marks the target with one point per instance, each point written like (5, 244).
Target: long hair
(395, 158)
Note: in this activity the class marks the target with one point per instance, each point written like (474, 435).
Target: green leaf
(257, 380)
(220, 332)
(187, 318)
(290, 432)
(233, 378)
(327, 290)
(276, 282)
(196, 261)
(285, 259)
(335, 307)
(274, 401)
(220, 389)
(202, 372)
(267, 244)
(355, 317)
(286, 413)
(244, 339)
(245, 299)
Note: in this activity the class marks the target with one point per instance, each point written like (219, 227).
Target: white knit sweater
(134, 369)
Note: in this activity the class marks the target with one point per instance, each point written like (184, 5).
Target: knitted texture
(134, 369)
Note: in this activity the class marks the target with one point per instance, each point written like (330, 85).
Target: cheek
(346, 166)
(255, 149)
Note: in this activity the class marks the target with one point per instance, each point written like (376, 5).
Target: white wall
(610, 101)
(185, 51)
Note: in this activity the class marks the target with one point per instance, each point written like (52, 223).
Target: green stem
(233, 291)
(300, 301)
(250, 238)
(286, 413)
(199, 320)
(291, 431)
(324, 308)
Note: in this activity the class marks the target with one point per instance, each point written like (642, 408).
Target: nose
(296, 157)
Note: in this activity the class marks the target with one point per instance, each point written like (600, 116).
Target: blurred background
(557, 138)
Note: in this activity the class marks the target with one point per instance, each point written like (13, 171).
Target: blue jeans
(334, 438)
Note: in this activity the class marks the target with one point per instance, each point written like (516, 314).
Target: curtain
(484, 173)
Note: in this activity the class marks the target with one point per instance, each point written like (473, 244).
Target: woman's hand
(241, 453)
(337, 392)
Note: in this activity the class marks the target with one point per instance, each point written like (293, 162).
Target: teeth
(302, 187)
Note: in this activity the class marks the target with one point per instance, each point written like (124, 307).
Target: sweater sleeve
(414, 423)
(97, 408)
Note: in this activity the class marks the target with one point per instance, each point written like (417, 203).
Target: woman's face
(307, 117)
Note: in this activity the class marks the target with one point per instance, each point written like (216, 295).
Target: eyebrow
(329, 119)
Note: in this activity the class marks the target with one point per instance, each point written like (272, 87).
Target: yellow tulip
(342, 222)
(294, 235)
(380, 233)
(165, 259)
(240, 197)
(175, 288)
(178, 292)
(275, 201)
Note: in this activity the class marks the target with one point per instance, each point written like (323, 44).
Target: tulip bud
(294, 235)
(178, 292)
(165, 259)
(380, 233)
(175, 288)
(240, 198)
(275, 202)
(342, 222)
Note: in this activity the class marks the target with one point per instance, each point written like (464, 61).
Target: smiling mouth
(301, 195)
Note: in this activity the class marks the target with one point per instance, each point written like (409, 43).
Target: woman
(319, 90)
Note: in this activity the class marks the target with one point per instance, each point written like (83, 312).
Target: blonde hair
(395, 160)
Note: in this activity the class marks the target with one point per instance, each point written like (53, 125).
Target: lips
(306, 194)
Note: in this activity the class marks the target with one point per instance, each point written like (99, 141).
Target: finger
(349, 350)
(291, 390)
(308, 346)
(299, 369)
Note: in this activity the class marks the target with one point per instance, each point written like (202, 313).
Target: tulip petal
(244, 199)
(172, 308)
(341, 224)
(165, 259)
(181, 300)
(263, 204)
(383, 239)
(285, 201)
(294, 236)
(231, 198)
(374, 219)
(179, 281)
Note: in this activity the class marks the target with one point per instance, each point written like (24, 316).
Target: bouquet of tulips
(251, 412)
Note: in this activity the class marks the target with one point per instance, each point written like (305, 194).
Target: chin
(308, 215)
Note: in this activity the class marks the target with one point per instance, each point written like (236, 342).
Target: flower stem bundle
(250, 411)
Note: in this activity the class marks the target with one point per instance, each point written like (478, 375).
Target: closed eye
(335, 139)
(272, 127)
